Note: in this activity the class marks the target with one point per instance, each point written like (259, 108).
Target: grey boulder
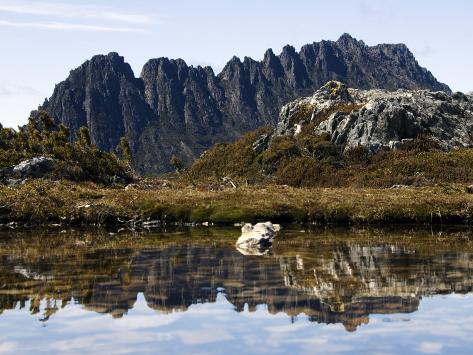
(35, 167)
(382, 119)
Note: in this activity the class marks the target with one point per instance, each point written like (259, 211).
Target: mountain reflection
(332, 278)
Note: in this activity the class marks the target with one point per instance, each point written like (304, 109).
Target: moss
(281, 148)
(152, 210)
(42, 201)
(335, 87)
(177, 213)
(303, 113)
(229, 214)
(200, 214)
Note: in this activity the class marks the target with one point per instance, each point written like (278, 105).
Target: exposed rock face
(104, 95)
(178, 109)
(380, 118)
(36, 167)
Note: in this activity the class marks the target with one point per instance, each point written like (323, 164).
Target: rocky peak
(294, 67)
(100, 94)
(272, 68)
(346, 40)
(110, 63)
(268, 56)
(233, 67)
(173, 108)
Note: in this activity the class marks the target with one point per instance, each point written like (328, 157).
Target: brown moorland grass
(313, 161)
(64, 202)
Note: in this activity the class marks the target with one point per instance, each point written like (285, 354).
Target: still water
(191, 291)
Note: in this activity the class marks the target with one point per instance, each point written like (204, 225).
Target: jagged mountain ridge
(173, 108)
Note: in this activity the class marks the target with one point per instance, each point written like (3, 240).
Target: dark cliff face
(178, 109)
(104, 95)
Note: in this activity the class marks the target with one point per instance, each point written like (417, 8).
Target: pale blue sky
(40, 41)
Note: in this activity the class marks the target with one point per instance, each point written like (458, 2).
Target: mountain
(173, 108)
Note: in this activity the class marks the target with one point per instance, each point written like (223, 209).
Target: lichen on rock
(378, 119)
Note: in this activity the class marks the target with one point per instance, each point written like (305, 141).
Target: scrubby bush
(281, 148)
(237, 161)
(77, 160)
(310, 159)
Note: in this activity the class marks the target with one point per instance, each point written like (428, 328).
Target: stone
(261, 144)
(380, 119)
(399, 186)
(15, 182)
(177, 109)
(37, 167)
(261, 235)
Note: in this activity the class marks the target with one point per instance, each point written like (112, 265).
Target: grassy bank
(310, 160)
(63, 202)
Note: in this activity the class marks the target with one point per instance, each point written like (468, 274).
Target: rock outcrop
(381, 119)
(178, 109)
(37, 167)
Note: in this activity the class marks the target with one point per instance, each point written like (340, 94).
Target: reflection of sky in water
(346, 292)
(443, 324)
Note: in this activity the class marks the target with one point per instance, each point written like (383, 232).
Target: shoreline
(64, 203)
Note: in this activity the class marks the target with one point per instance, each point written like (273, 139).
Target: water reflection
(330, 277)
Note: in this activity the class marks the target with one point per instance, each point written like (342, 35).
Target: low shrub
(312, 160)
(77, 160)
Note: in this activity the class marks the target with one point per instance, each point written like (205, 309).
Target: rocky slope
(379, 119)
(351, 137)
(178, 109)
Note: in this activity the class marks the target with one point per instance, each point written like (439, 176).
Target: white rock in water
(259, 235)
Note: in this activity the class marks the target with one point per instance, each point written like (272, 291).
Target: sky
(41, 41)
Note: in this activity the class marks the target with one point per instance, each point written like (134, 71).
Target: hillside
(351, 137)
(176, 109)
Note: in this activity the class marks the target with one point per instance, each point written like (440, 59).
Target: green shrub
(312, 160)
(78, 160)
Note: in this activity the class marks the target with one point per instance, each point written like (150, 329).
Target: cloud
(10, 89)
(63, 26)
(64, 10)
(70, 17)
(428, 347)
(7, 347)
